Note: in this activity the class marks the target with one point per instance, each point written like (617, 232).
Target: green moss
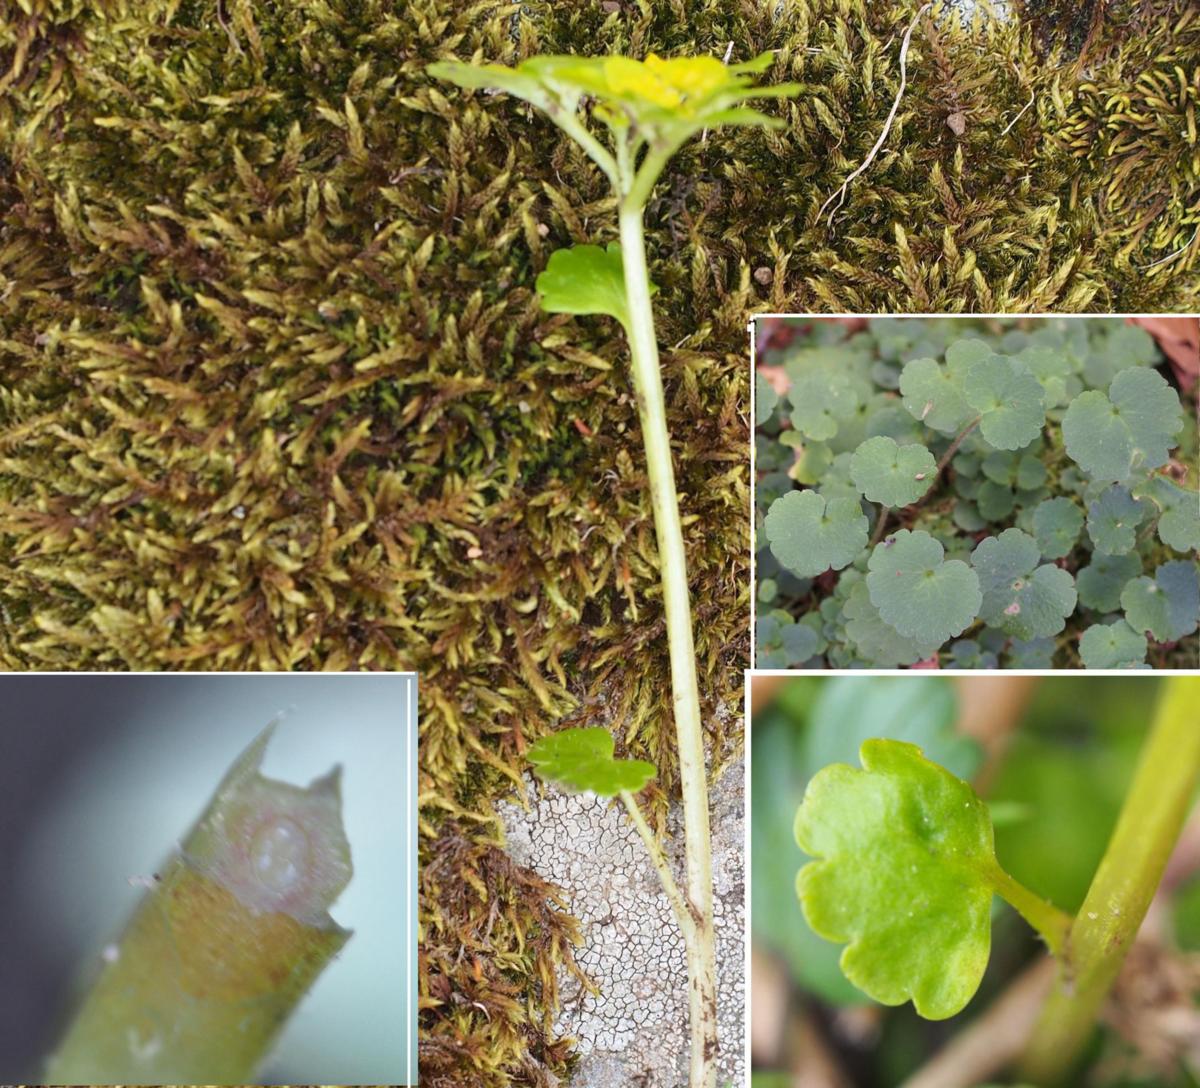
(273, 370)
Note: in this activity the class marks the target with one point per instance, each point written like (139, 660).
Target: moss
(277, 394)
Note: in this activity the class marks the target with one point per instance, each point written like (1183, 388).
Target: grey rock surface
(634, 1032)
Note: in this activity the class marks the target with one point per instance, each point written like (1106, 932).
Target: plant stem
(958, 441)
(693, 772)
(1151, 818)
(678, 903)
(1052, 923)
(883, 517)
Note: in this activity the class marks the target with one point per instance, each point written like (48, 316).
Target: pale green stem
(1152, 816)
(693, 772)
(678, 903)
(1046, 918)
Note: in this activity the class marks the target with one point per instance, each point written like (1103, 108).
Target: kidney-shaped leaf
(808, 534)
(1128, 431)
(1112, 646)
(1166, 606)
(892, 474)
(1019, 597)
(934, 396)
(1010, 400)
(1112, 521)
(1056, 524)
(585, 280)
(582, 759)
(919, 592)
(905, 876)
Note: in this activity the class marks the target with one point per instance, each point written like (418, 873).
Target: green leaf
(1166, 606)
(1113, 645)
(1179, 522)
(1030, 653)
(1101, 581)
(765, 399)
(905, 876)
(783, 644)
(1009, 399)
(1056, 524)
(582, 759)
(1019, 597)
(1051, 367)
(878, 643)
(934, 397)
(917, 591)
(994, 501)
(1129, 431)
(821, 401)
(809, 535)
(586, 280)
(1112, 521)
(891, 474)
(1031, 473)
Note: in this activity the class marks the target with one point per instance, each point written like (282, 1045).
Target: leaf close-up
(582, 759)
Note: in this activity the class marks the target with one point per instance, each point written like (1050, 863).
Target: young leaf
(1009, 399)
(1100, 583)
(935, 397)
(1113, 520)
(1113, 645)
(917, 591)
(1056, 524)
(1019, 597)
(808, 534)
(891, 474)
(582, 759)
(821, 399)
(1167, 606)
(905, 876)
(585, 280)
(1128, 431)
(782, 644)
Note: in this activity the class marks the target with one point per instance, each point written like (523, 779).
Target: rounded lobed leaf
(582, 759)
(1056, 524)
(1166, 606)
(820, 401)
(904, 876)
(1129, 431)
(765, 399)
(1101, 581)
(783, 644)
(1113, 520)
(1009, 399)
(919, 592)
(1113, 645)
(1179, 522)
(891, 474)
(934, 396)
(809, 534)
(876, 642)
(1019, 597)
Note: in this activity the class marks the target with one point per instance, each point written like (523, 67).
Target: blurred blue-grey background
(101, 775)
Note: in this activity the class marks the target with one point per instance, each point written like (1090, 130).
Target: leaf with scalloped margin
(893, 475)
(1051, 367)
(1010, 400)
(585, 279)
(1099, 584)
(1056, 524)
(1166, 606)
(783, 644)
(1021, 598)
(934, 396)
(1113, 645)
(876, 642)
(822, 400)
(1112, 521)
(905, 876)
(582, 759)
(917, 591)
(1129, 431)
(1179, 521)
(1030, 653)
(809, 535)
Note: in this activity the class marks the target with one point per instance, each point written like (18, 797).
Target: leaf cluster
(1037, 477)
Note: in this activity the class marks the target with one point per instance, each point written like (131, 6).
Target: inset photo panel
(960, 881)
(210, 879)
(976, 492)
